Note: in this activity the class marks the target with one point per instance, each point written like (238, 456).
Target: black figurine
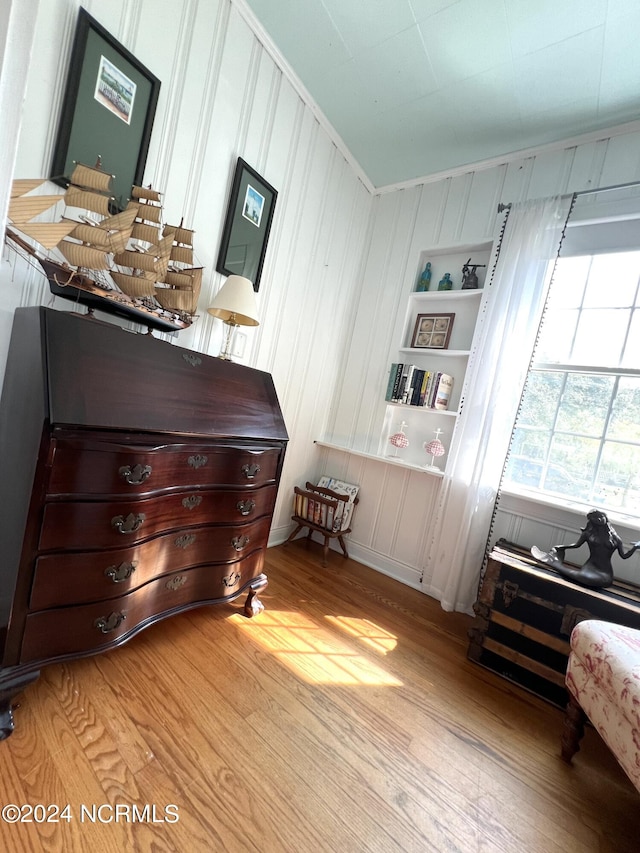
(603, 542)
(469, 277)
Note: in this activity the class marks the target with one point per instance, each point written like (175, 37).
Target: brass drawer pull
(120, 573)
(232, 579)
(130, 524)
(136, 475)
(106, 624)
(176, 582)
(250, 471)
(192, 501)
(246, 507)
(240, 542)
(197, 461)
(185, 540)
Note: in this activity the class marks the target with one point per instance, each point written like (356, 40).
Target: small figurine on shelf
(425, 279)
(435, 448)
(445, 282)
(399, 440)
(469, 277)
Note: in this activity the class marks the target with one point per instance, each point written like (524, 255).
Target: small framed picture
(432, 331)
(247, 224)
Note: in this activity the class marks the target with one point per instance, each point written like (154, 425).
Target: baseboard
(367, 556)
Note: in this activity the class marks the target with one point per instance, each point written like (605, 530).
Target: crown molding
(513, 156)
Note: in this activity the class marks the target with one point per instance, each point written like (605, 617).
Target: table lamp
(235, 305)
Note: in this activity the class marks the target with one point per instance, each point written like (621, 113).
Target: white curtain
(494, 382)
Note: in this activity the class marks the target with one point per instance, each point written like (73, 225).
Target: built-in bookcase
(459, 307)
(463, 309)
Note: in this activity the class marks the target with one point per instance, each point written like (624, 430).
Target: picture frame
(107, 113)
(247, 224)
(432, 331)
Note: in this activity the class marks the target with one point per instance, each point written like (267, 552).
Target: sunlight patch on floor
(315, 654)
(367, 632)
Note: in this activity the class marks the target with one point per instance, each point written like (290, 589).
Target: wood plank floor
(346, 718)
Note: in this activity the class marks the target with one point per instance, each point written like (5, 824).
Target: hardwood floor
(345, 717)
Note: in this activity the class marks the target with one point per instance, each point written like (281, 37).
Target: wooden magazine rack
(322, 510)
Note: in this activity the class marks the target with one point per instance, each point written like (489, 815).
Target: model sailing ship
(127, 263)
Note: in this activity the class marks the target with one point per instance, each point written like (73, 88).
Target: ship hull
(80, 289)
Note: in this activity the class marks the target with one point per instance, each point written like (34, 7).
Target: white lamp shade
(235, 302)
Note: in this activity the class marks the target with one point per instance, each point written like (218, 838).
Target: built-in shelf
(387, 460)
(431, 295)
(439, 353)
(427, 410)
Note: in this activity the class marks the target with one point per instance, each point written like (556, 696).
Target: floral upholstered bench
(603, 680)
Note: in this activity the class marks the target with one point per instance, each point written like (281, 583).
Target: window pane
(556, 336)
(600, 336)
(577, 435)
(540, 399)
(529, 448)
(613, 280)
(585, 404)
(618, 483)
(568, 282)
(631, 355)
(625, 417)
(529, 444)
(572, 461)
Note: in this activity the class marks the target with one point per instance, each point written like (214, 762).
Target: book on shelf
(391, 382)
(414, 386)
(442, 394)
(402, 383)
(408, 385)
(418, 377)
(426, 387)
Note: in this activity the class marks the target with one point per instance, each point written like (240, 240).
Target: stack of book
(413, 386)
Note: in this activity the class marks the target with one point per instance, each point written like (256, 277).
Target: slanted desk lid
(102, 376)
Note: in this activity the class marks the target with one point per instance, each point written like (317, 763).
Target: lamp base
(225, 352)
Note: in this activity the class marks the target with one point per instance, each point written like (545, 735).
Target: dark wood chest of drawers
(525, 614)
(138, 480)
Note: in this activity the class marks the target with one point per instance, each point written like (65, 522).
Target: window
(577, 437)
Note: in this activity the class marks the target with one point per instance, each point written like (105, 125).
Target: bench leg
(343, 546)
(572, 729)
(293, 535)
(325, 551)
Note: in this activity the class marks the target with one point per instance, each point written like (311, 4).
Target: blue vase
(425, 279)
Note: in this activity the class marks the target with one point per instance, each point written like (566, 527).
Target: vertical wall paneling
(517, 180)
(586, 168)
(224, 95)
(622, 161)
(486, 191)
(461, 208)
(281, 249)
(551, 171)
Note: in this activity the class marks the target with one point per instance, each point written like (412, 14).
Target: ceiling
(416, 87)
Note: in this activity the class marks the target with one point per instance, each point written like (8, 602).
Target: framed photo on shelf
(432, 331)
(247, 225)
(107, 112)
